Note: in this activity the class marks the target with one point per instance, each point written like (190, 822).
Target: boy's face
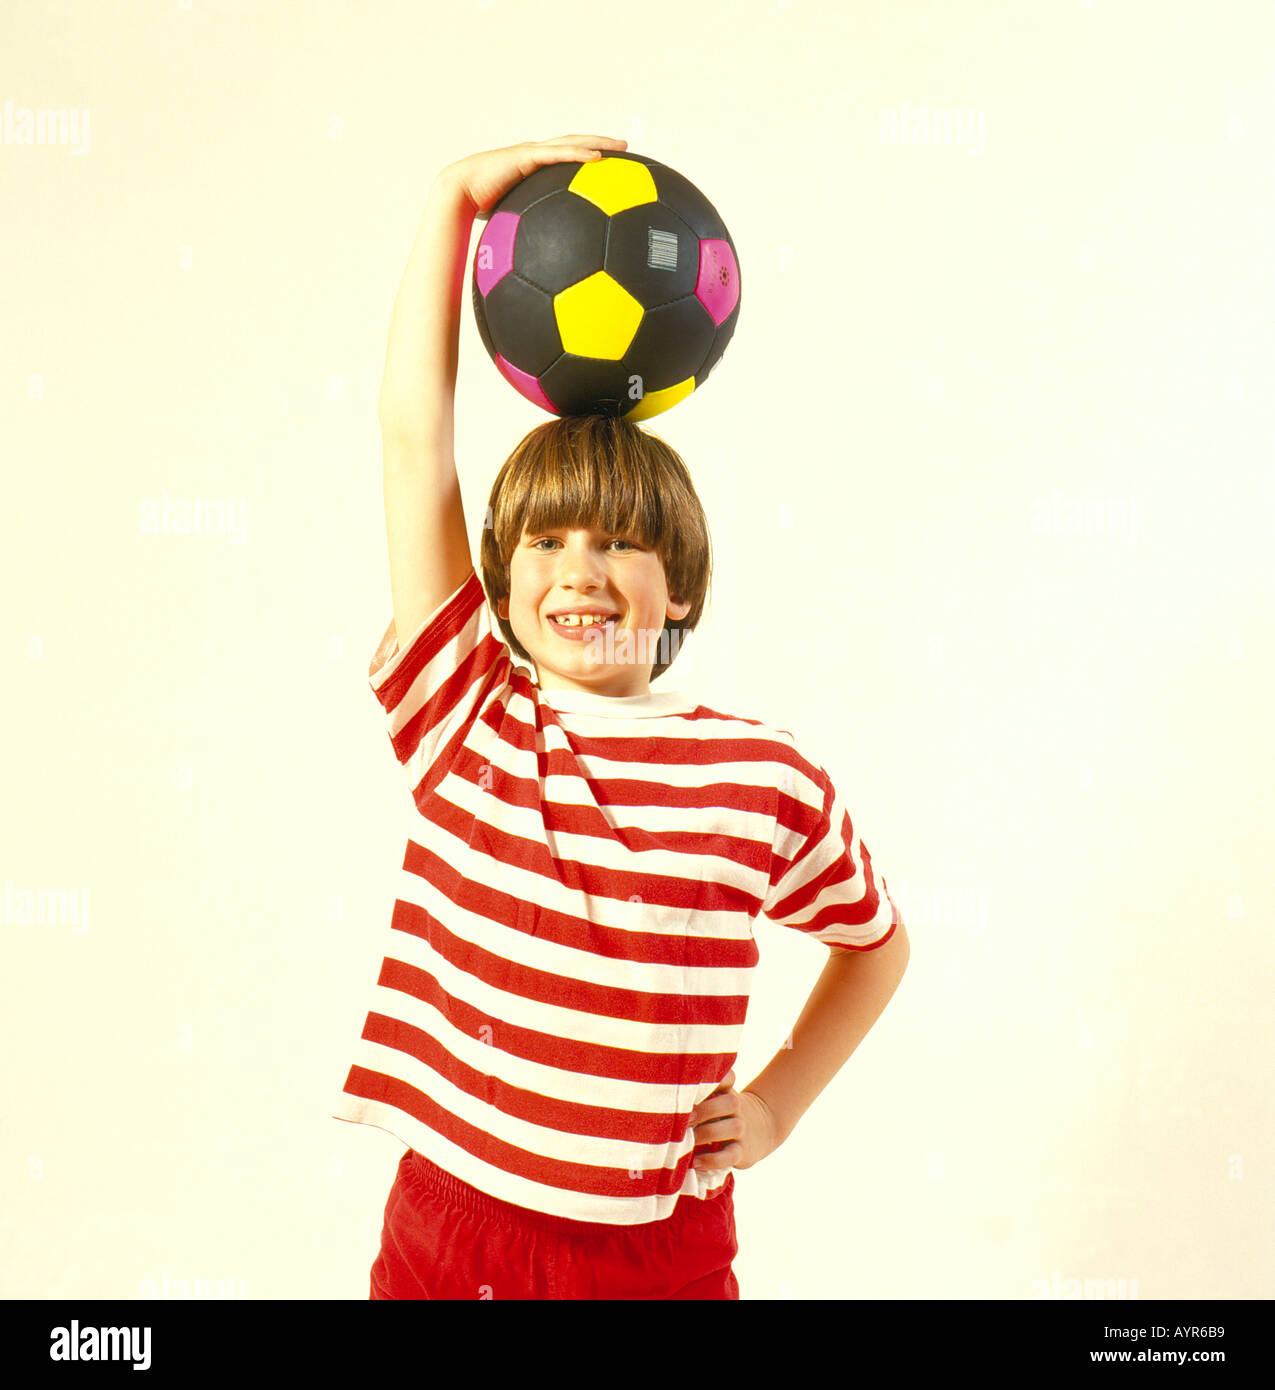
(562, 569)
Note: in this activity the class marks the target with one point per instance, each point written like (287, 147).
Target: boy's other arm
(424, 519)
(849, 996)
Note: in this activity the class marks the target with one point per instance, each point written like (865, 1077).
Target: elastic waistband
(449, 1187)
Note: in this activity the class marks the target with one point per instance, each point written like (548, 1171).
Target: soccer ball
(605, 288)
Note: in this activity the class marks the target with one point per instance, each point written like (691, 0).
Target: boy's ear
(677, 611)
(502, 608)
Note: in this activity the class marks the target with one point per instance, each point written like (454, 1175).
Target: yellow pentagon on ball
(655, 402)
(614, 184)
(597, 317)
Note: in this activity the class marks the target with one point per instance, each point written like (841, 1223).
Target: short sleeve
(822, 880)
(434, 684)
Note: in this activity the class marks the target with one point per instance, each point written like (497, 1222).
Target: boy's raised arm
(424, 519)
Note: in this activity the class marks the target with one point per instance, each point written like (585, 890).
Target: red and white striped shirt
(568, 963)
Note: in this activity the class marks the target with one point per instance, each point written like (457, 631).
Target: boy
(570, 954)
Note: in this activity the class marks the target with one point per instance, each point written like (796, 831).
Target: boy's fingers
(724, 1085)
(585, 139)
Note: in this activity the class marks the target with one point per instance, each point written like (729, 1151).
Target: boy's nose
(580, 566)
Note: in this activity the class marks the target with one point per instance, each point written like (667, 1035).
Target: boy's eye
(552, 540)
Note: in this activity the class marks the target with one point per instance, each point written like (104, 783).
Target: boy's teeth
(578, 620)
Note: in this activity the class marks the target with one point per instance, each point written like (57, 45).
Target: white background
(988, 466)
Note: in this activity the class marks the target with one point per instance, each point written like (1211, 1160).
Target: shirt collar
(650, 705)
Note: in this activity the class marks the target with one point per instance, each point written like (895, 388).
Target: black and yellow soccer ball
(605, 288)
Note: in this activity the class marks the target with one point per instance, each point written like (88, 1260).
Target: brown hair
(599, 470)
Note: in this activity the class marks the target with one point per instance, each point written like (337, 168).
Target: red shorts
(445, 1239)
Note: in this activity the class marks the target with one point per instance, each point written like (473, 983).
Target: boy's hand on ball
(733, 1129)
(486, 177)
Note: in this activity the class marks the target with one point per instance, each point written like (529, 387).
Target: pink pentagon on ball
(718, 286)
(494, 258)
(526, 383)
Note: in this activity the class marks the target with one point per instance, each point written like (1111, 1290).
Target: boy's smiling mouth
(575, 625)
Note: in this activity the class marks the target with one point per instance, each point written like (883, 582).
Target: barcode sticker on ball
(661, 249)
